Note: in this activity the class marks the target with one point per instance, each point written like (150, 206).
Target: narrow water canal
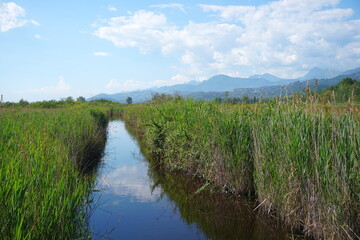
(135, 201)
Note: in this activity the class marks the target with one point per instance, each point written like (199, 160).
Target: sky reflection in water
(126, 206)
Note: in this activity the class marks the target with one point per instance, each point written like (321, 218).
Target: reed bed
(300, 160)
(44, 158)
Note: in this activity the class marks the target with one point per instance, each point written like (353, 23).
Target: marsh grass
(44, 158)
(298, 157)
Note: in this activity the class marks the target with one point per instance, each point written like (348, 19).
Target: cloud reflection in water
(131, 181)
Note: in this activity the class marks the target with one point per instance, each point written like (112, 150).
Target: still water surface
(135, 201)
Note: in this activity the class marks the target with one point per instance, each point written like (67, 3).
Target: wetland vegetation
(298, 157)
(45, 157)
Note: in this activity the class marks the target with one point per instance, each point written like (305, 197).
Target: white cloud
(101, 54)
(179, 78)
(115, 85)
(170, 5)
(128, 85)
(282, 36)
(176, 79)
(12, 16)
(140, 30)
(34, 22)
(150, 31)
(228, 12)
(112, 9)
(37, 36)
(291, 33)
(61, 87)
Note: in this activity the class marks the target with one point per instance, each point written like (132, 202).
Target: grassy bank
(300, 160)
(44, 158)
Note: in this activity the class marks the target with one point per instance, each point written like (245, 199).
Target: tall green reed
(300, 159)
(43, 155)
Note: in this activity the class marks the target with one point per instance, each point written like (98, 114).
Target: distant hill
(347, 89)
(317, 73)
(215, 83)
(265, 85)
(185, 87)
(273, 91)
(352, 71)
(268, 77)
(137, 96)
(226, 83)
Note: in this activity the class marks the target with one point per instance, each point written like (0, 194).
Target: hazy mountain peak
(267, 76)
(352, 71)
(218, 77)
(193, 82)
(318, 73)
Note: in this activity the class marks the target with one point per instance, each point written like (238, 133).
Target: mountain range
(265, 85)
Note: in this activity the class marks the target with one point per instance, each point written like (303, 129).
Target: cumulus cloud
(170, 5)
(61, 87)
(278, 37)
(141, 30)
(12, 16)
(150, 32)
(287, 34)
(101, 54)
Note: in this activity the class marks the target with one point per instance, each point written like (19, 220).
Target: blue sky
(54, 49)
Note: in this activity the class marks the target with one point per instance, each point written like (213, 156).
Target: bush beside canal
(301, 160)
